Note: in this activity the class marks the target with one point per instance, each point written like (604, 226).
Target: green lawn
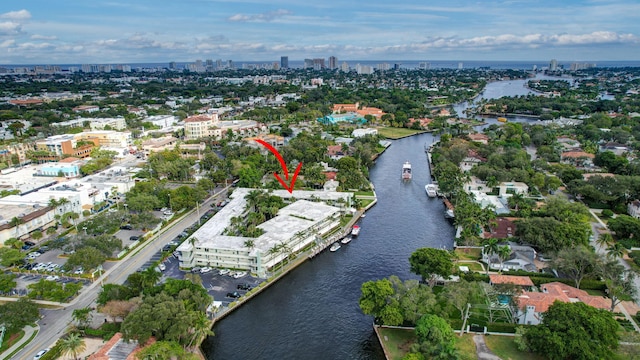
(468, 254)
(506, 349)
(396, 342)
(473, 266)
(466, 347)
(364, 193)
(396, 133)
(10, 339)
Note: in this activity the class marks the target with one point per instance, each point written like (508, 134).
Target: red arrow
(283, 164)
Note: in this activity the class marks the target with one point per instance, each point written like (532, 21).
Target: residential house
(363, 132)
(634, 209)
(480, 138)
(579, 159)
(521, 282)
(532, 305)
(472, 159)
(335, 152)
(616, 148)
(521, 258)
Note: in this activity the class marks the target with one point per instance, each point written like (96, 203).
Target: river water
(313, 313)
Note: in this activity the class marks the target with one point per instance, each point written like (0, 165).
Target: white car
(205, 270)
(162, 267)
(52, 278)
(223, 271)
(79, 271)
(239, 274)
(40, 353)
(168, 213)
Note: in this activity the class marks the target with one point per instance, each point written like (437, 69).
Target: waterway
(313, 312)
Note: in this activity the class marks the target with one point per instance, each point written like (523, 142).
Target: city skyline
(47, 32)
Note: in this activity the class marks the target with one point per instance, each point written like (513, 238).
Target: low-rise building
(364, 132)
(634, 209)
(296, 226)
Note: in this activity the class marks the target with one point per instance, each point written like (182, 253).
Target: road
(55, 322)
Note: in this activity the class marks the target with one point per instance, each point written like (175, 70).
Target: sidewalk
(28, 331)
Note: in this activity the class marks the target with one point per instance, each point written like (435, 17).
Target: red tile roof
(577, 154)
(557, 291)
(510, 279)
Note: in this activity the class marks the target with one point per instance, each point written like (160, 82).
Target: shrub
(606, 213)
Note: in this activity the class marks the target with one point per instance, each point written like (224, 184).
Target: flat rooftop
(296, 217)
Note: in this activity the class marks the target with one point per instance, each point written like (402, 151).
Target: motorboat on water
(335, 247)
(346, 240)
(406, 171)
(432, 190)
(355, 230)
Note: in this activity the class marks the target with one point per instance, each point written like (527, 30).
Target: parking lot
(217, 285)
(25, 279)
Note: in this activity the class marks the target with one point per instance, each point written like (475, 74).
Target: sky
(139, 31)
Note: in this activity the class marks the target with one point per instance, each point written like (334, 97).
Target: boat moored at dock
(335, 247)
(431, 190)
(355, 230)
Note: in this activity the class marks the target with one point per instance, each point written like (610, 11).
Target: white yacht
(432, 190)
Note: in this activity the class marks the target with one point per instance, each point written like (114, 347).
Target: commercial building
(201, 126)
(284, 62)
(296, 226)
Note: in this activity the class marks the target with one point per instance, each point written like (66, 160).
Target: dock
(318, 248)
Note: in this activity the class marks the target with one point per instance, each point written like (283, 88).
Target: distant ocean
(403, 64)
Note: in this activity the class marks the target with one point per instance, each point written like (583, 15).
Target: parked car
(126, 227)
(234, 294)
(162, 267)
(134, 238)
(30, 243)
(223, 271)
(205, 270)
(195, 269)
(52, 278)
(166, 248)
(79, 271)
(239, 274)
(244, 286)
(26, 247)
(167, 212)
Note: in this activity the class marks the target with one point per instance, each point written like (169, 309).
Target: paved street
(54, 322)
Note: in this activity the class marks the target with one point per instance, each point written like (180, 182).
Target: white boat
(334, 247)
(355, 230)
(346, 240)
(406, 171)
(432, 190)
(448, 214)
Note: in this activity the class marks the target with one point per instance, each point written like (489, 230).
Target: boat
(346, 240)
(363, 215)
(406, 171)
(448, 214)
(502, 119)
(432, 190)
(335, 247)
(355, 230)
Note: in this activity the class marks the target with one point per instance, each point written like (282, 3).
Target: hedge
(585, 284)
(106, 331)
(502, 327)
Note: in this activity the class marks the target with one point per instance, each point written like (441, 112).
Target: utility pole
(466, 316)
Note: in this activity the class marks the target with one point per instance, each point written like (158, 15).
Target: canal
(313, 313)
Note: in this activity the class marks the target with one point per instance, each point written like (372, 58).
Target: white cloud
(16, 15)
(10, 28)
(264, 17)
(43, 37)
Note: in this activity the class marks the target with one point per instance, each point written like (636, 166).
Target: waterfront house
(532, 304)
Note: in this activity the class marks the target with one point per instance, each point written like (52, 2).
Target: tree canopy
(574, 331)
(431, 263)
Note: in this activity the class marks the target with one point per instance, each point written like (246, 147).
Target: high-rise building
(345, 67)
(460, 65)
(284, 62)
(333, 62)
(308, 63)
(553, 65)
(318, 64)
(384, 67)
(172, 66)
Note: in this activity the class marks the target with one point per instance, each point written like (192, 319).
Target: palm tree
(503, 254)
(16, 221)
(82, 316)
(253, 198)
(604, 240)
(249, 244)
(201, 327)
(72, 345)
(616, 250)
(150, 277)
(490, 247)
